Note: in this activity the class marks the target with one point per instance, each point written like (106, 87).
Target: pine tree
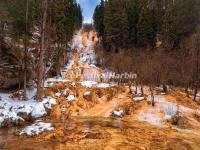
(116, 25)
(145, 29)
(133, 17)
(66, 18)
(98, 18)
(180, 20)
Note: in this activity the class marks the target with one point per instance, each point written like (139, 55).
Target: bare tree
(42, 52)
(196, 57)
(25, 49)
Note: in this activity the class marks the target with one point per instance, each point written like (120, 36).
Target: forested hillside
(159, 40)
(38, 33)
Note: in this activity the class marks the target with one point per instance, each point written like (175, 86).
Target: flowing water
(99, 133)
(9, 140)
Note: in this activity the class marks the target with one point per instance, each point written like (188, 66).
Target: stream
(99, 133)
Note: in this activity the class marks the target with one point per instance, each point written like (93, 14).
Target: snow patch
(65, 92)
(11, 108)
(48, 102)
(37, 128)
(58, 94)
(138, 99)
(70, 98)
(104, 85)
(69, 64)
(118, 113)
(162, 111)
(38, 110)
(88, 84)
(87, 93)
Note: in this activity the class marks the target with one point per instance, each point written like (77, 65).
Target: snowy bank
(163, 110)
(37, 128)
(13, 111)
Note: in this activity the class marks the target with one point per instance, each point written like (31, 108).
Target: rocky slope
(10, 65)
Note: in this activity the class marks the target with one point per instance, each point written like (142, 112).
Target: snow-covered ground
(162, 111)
(37, 128)
(12, 109)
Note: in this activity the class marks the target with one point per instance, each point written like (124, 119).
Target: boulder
(25, 116)
(180, 121)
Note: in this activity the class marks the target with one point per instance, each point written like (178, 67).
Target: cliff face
(10, 66)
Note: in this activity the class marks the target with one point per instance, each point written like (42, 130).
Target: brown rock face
(10, 66)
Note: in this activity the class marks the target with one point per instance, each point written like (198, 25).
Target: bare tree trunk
(2, 27)
(195, 93)
(130, 86)
(186, 91)
(152, 96)
(197, 54)
(164, 88)
(136, 88)
(142, 90)
(25, 50)
(42, 51)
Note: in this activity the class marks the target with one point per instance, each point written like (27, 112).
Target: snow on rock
(65, 92)
(24, 109)
(87, 93)
(92, 65)
(37, 128)
(162, 93)
(118, 113)
(138, 99)
(71, 98)
(159, 88)
(58, 94)
(48, 102)
(88, 84)
(136, 90)
(73, 84)
(104, 85)
(51, 81)
(38, 110)
(63, 110)
(12, 109)
(69, 64)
